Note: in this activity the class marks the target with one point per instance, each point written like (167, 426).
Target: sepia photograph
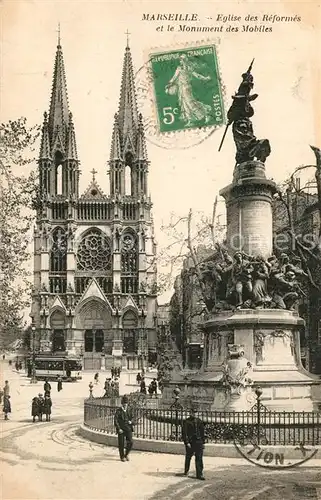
(160, 250)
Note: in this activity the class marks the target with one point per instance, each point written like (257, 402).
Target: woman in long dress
(191, 109)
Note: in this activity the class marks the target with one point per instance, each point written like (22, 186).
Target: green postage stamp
(187, 88)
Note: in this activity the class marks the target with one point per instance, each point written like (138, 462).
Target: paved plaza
(51, 461)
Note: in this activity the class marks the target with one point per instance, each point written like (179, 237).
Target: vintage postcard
(160, 256)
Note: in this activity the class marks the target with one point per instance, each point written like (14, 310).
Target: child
(47, 404)
(6, 406)
(35, 408)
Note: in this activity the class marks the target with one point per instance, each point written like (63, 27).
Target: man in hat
(194, 440)
(124, 427)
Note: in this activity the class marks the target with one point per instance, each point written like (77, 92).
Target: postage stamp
(187, 88)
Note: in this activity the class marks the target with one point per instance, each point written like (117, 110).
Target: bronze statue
(248, 147)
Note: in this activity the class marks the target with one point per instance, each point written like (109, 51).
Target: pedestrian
(47, 404)
(6, 406)
(124, 427)
(138, 378)
(116, 387)
(59, 384)
(6, 388)
(153, 386)
(10, 362)
(41, 409)
(150, 389)
(1, 395)
(3, 357)
(46, 387)
(143, 387)
(35, 408)
(112, 372)
(96, 378)
(107, 388)
(194, 440)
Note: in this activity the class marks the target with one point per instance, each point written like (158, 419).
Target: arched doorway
(57, 324)
(94, 318)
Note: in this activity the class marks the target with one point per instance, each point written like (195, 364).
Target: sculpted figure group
(245, 282)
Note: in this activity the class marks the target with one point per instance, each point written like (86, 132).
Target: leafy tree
(299, 201)
(17, 190)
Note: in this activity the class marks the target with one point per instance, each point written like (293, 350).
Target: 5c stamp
(187, 88)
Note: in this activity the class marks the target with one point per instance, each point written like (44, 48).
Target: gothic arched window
(58, 252)
(58, 172)
(94, 252)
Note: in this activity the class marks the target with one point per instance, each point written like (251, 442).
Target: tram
(54, 366)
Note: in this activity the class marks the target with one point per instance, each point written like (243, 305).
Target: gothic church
(94, 254)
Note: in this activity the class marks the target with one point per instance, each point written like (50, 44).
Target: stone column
(249, 212)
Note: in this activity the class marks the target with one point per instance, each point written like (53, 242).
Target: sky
(183, 174)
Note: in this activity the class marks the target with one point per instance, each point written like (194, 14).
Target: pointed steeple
(59, 109)
(128, 115)
(71, 148)
(45, 142)
(115, 150)
(141, 150)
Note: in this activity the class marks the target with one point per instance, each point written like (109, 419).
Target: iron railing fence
(262, 427)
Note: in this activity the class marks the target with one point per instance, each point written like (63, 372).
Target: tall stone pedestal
(271, 344)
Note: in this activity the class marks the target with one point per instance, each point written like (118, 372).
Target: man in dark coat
(46, 387)
(6, 406)
(124, 428)
(143, 386)
(59, 384)
(194, 440)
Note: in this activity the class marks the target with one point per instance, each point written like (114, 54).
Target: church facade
(95, 291)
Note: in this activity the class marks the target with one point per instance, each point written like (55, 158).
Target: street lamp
(33, 379)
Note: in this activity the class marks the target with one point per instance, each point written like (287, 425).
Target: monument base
(271, 344)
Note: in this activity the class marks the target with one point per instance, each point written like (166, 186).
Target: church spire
(45, 142)
(59, 109)
(141, 153)
(71, 148)
(128, 115)
(115, 151)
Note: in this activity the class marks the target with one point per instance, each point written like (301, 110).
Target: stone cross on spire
(93, 172)
(58, 31)
(127, 34)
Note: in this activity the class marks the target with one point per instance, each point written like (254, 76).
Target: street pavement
(50, 460)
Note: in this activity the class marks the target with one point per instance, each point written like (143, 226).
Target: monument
(252, 335)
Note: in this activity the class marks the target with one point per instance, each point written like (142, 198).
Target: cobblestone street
(51, 461)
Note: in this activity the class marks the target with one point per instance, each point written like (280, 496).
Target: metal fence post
(177, 407)
(258, 392)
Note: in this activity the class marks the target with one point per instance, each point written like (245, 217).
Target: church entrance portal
(95, 320)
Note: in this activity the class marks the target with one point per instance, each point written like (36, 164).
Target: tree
(194, 240)
(300, 201)
(17, 190)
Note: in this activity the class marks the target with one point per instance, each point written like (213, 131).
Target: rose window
(94, 252)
